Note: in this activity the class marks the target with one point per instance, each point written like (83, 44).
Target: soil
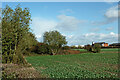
(22, 71)
(75, 51)
(71, 52)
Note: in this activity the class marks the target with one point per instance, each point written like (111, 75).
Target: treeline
(39, 48)
(16, 34)
(53, 42)
(18, 40)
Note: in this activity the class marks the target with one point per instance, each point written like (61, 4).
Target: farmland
(47, 40)
(111, 49)
(80, 49)
(86, 65)
(106, 49)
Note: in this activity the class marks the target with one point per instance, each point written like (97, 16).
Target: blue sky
(80, 22)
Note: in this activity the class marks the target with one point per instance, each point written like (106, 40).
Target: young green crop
(87, 65)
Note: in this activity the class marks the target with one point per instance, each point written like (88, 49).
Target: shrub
(96, 48)
(88, 47)
(18, 59)
(26, 52)
(73, 47)
(40, 48)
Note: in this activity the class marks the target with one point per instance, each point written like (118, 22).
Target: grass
(106, 49)
(80, 49)
(110, 49)
(86, 65)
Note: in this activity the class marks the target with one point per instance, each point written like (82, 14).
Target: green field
(110, 49)
(86, 65)
(80, 49)
(106, 49)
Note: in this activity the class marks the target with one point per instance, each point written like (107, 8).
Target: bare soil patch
(71, 52)
(21, 71)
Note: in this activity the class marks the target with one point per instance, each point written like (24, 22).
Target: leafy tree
(73, 47)
(79, 46)
(96, 48)
(16, 35)
(55, 40)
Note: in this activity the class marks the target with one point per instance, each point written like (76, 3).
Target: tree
(96, 48)
(55, 40)
(16, 35)
(79, 47)
(73, 47)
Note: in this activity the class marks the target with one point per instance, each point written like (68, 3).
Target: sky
(81, 22)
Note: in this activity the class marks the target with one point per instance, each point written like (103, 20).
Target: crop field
(86, 65)
(80, 49)
(111, 49)
(106, 49)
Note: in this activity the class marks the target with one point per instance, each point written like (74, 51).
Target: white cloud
(40, 25)
(112, 12)
(110, 16)
(38, 36)
(89, 34)
(110, 1)
(111, 37)
(88, 38)
(68, 23)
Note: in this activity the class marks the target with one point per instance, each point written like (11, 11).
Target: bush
(73, 47)
(40, 48)
(96, 48)
(88, 47)
(26, 52)
(43, 49)
(18, 59)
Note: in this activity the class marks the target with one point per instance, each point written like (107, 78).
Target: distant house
(103, 44)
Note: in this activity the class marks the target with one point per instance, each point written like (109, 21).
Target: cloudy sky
(80, 22)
